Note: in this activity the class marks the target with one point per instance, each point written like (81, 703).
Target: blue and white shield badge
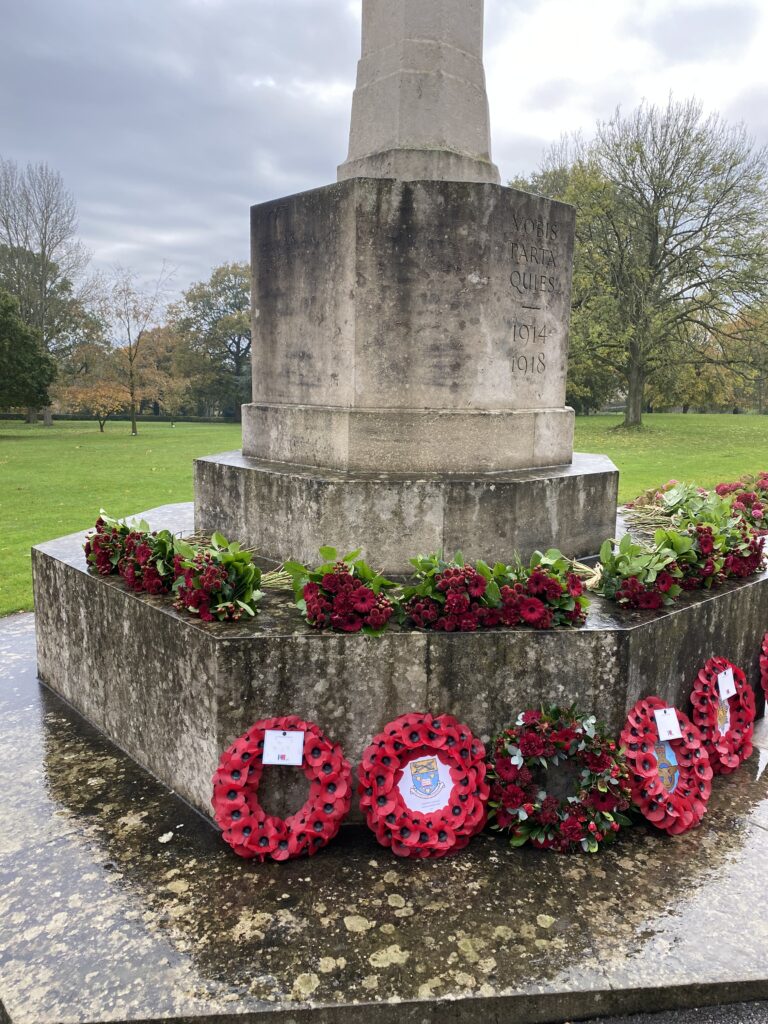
(669, 770)
(425, 777)
(426, 784)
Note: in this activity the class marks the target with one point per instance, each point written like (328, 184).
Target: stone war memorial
(410, 328)
(410, 331)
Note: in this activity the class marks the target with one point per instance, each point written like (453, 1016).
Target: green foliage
(26, 369)
(662, 280)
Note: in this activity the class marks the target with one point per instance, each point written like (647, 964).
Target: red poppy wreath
(249, 830)
(422, 786)
(670, 780)
(764, 665)
(726, 725)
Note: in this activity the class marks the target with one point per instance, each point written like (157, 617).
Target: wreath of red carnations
(764, 665)
(595, 792)
(671, 781)
(249, 830)
(727, 726)
(422, 786)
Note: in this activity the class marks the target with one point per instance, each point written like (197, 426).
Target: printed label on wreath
(667, 724)
(426, 784)
(668, 768)
(726, 684)
(282, 747)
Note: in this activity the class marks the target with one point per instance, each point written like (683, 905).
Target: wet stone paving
(120, 903)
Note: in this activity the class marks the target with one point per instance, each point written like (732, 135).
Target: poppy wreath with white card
(423, 787)
(249, 830)
(670, 779)
(764, 665)
(724, 710)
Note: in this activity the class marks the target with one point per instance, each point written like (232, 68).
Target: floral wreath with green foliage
(594, 774)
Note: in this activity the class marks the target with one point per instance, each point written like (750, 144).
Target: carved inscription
(536, 261)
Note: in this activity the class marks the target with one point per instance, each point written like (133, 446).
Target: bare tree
(133, 311)
(41, 260)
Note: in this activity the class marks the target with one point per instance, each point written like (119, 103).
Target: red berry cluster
(345, 603)
(202, 587)
(139, 565)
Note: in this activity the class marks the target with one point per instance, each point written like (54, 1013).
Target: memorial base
(285, 511)
(174, 692)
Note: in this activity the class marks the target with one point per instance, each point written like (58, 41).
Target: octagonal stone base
(174, 692)
(287, 511)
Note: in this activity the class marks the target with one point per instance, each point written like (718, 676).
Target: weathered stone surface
(119, 903)
(287, 511)
(411, 327)
(420, 109)
(174, 692)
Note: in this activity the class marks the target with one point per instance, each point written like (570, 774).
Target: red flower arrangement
(218, 583)
(422, 786)
(106, 545)
(458, 597)
(589, 814)
(249, 830)
(637, 576)
(670, 781)
(727, 726)
(764, 665)
(343, 594)
(146, 563)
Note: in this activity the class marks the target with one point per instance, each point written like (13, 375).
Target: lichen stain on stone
(390, 956)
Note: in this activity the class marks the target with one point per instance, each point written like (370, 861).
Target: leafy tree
(214, 319)
(132, 310)
(26, 369)
(672, 241)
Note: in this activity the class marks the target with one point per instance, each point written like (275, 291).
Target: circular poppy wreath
(764, 665)
(670, 781)
(725, 725)
(422, 786)
(592, 776)
(249, 830)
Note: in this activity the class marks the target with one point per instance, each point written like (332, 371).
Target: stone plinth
(174, 692)
(287, 511)
(414, 327)
(420, 109)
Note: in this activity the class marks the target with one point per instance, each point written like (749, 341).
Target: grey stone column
(420, 109)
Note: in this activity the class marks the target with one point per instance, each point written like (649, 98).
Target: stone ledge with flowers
(174, 691)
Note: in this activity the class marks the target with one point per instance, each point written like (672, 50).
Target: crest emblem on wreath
(723, 717)
(669, 771)
(425, 777)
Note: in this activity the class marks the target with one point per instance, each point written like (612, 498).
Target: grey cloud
(168, 120)
(699, 33)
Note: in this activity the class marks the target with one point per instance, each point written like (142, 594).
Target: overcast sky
(168, 118)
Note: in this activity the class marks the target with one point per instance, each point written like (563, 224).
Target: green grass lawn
(54, 480)
(701, 449)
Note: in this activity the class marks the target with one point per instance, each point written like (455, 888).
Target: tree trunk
(132, 393)
(101, 426)
(31, 415)
(633, 414)
(47, 416)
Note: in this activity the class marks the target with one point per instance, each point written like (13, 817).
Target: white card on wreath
(667, 724)
(726, 684)
(283, 747)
